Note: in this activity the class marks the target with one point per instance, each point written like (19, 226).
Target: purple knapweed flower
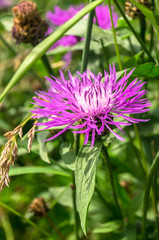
(91, 105)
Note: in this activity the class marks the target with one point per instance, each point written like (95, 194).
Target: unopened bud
(29, 26)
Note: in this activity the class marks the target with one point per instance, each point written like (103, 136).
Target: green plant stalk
(3, 205)
(151, 174)
(6, 226)
(7, 45)
(84, 63)
(131, 46)
(87, 41)
(145, 167)
(114, 35)
(106, 157)
(133, 31)
(144, 162)
(102, 44)
(142, 27)
(136, 154)
(42, 47)
(47, 64)
(76, 226)
(56, 229)
(155, 187)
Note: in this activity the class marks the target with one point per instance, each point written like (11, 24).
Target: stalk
(106, 156)
(151, 175)
(83, 68)
(133, 31)
(87, 41)
(47, 64)
(114, 35)
(7, 45)
(3, 205)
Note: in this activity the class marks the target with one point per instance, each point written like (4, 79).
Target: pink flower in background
(90, 105)
(103, 16)
(60, 16)
(5, 3)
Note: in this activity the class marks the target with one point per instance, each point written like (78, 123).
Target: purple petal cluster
(5, 3)
(91, 104)
(60, 16)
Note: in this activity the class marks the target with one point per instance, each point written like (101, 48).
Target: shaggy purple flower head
(88, 104)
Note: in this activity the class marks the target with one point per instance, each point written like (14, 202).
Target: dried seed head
(8, 157)
(28, 27)
(132, 11)
(31, 134)
(17, 130)
(38, 207)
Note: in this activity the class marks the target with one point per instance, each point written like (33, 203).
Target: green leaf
(42, 148)
(62, 195)
(32, 170)
(6, 21)
(108, 227)
(67, 155)
(147, 70)
(130, 232)
(42, 47)
(79, 29)
(85, 172)
(148, 14)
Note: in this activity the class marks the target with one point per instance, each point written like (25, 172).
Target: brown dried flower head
(38, 207)
(132, 11)
(9, 155)
(28, 26)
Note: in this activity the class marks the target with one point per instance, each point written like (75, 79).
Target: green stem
(155, 187)
(136, 154)
(133, 31)
(8, 45)
(3, 205)
(102, 44)
(142, 27)
(56, 229)
(76, 226)
(144, 162)
(152, 37)
(151, 174)
(131, 46)
(106, 156)
(83, 68)
(114, 35)
(47, 64)
(87, 41)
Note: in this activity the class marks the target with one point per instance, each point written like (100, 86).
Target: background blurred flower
(5, 3)
(60, 16)
(28, 26)
(90, 105)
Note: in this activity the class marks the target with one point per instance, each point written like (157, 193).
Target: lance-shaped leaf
(85, 172)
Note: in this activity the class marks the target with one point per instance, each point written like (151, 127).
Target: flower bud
(133, 11)
(28, 25)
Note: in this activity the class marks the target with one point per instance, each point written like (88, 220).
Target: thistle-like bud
(132, 11)
(38, 207)
(29, 26)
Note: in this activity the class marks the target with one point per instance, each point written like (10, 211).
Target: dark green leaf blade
(85, 172)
